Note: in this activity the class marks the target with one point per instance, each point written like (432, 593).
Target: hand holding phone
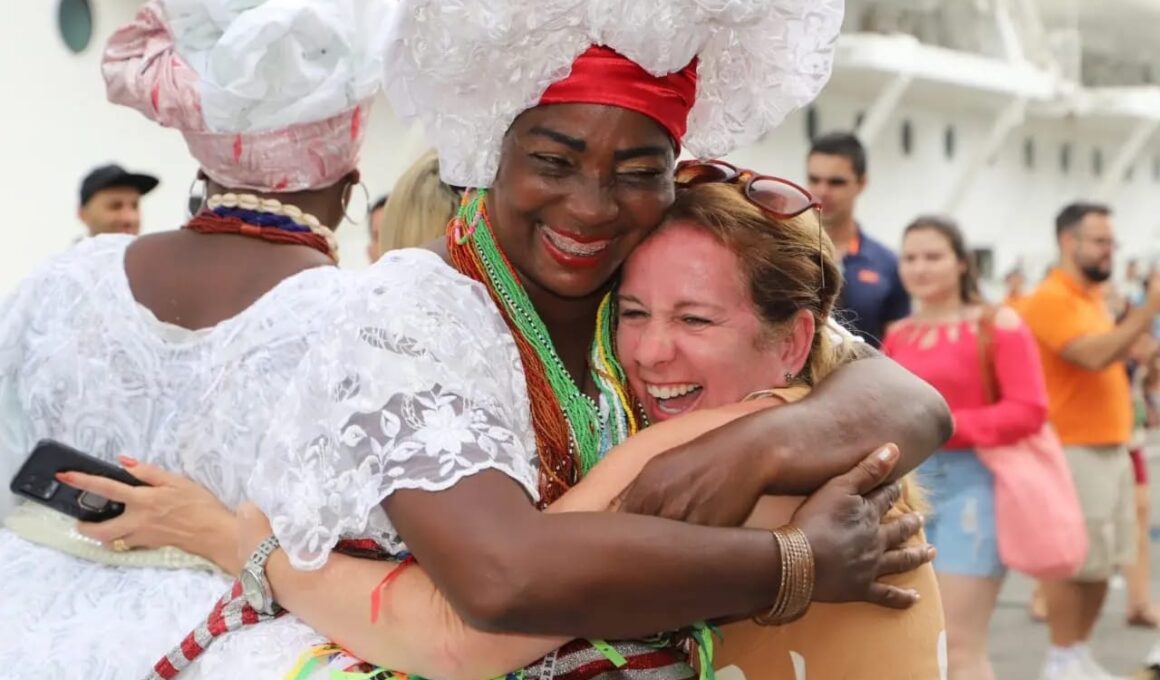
(37, 480)
(138, 505)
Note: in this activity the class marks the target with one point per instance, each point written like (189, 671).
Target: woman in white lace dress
(175, 348)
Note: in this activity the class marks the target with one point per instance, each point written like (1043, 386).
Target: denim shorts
(961, 525)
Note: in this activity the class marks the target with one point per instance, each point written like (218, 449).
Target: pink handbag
(1040, 524)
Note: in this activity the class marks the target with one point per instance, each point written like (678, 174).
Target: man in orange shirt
(1089, 403)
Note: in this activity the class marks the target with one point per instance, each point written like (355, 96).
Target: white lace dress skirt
(66, 617)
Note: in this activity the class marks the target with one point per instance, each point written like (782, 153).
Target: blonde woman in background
(421, 205)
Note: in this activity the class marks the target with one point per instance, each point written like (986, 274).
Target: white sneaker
(1072, 670)
(1091, 668)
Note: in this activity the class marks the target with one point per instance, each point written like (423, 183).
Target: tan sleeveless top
(844, 641)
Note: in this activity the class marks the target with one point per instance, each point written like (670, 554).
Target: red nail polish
(127, 461)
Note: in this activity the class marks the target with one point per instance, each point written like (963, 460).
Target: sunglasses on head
(779, 198)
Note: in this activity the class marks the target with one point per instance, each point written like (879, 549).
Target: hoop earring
(346, 203)
(189, 203)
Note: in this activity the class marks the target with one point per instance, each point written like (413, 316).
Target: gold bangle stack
(797, 578)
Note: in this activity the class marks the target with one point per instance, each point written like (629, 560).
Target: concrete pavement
(1019, 645)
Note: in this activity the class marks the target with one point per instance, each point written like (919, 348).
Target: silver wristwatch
(255, 585)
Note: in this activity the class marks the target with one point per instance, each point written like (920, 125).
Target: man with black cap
(110, 198)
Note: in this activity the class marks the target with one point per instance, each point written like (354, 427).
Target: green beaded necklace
(581, 411)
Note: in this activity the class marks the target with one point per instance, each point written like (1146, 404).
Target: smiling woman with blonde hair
(724, 311)
(421, 205)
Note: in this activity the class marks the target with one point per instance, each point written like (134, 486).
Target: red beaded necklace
(265, 219)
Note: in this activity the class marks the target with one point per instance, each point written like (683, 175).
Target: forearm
(1005, 422)
(578, 574)
(1097, 352)
(652, 575)
(860, 407)
(416, 631)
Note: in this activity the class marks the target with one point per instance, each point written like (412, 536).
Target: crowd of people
(1078, 352)
(591, 412)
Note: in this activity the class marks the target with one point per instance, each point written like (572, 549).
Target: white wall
(57, 125)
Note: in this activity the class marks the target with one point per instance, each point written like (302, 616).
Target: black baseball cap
(110, 176)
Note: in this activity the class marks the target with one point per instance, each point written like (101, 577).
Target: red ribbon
(603, 76)
(377, 593)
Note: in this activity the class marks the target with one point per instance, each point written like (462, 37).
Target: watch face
(252, 589)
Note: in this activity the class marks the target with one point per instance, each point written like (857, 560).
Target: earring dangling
(346, 203)
(191, 201)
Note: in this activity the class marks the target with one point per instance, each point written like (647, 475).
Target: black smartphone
(37, 481)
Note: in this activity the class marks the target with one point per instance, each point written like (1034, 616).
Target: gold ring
(119, 545)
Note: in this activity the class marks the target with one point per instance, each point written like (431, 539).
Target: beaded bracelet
(797, 578)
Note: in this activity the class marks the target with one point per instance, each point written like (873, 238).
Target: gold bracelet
(797, 578)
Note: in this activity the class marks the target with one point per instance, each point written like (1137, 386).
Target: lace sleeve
(417, 385)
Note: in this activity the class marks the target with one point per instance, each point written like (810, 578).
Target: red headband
(603, 76)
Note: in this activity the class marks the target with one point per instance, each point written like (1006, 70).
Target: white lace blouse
(416, 384)
(330, 392)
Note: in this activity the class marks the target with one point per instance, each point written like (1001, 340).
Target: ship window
(75, 21)
(812, 123)
(984, 259)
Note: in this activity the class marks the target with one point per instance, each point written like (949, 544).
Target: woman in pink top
(939, 343)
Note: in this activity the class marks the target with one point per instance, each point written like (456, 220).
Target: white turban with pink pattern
(271, 95)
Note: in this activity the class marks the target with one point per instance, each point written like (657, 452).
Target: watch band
(262, 553)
